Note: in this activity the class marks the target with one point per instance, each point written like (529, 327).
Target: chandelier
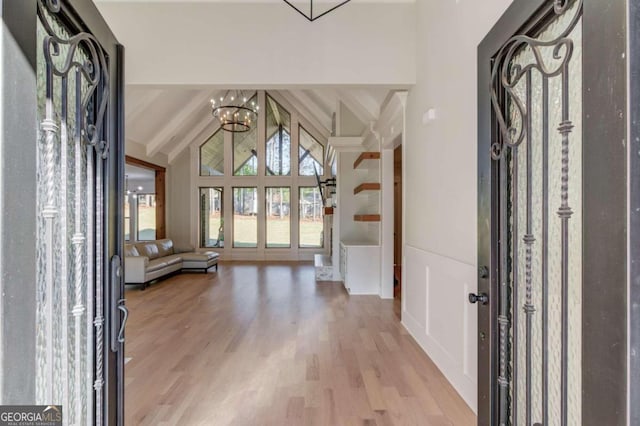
(235, 113)
(308, 11)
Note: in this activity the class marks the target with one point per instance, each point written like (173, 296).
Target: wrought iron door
(79, 311)
(536, 221)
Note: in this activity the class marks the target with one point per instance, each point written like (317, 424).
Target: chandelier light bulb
(233, 113)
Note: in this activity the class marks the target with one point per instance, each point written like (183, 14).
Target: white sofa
(146, 261)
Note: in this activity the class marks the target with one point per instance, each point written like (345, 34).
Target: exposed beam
(304, 112)
(319, 111)
(367, 100)
(141, 101)
(205, 122)
(165, 134)
(327, 97)
(353, 103)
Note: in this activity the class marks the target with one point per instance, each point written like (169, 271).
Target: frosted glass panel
(536, 213)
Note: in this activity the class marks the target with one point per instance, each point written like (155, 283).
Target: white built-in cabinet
(360, 267)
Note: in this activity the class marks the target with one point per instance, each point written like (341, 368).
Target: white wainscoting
(436, 313)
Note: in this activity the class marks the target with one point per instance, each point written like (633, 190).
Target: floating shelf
(366, 156)
(366, 218)
(368, 186)
(328, 211)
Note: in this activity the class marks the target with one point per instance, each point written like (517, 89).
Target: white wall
(264, 45)
(179, 191)
(440, 186)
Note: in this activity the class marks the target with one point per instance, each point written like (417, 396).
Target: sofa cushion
(156, 264)
(130, 250)
(149, 249)
(172, 259)
(165, 247)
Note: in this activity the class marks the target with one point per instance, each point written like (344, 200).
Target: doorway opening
(397, 223)
(144, 201)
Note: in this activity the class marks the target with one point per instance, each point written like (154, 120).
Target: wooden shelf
(368, 186)
(366, 218)
(328, 211)
(366, 156)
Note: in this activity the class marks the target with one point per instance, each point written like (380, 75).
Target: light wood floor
(258, 344)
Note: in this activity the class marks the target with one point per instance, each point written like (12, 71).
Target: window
(245, 156)
(212, 155)
(311, 223)
(211, 219)
(245, 185)
(278, 217)
(146, 217)
(311, 155)
(278, 140)
(127, 219)
(245, 221)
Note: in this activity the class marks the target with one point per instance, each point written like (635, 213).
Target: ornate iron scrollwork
(505, 77)
(94, 71)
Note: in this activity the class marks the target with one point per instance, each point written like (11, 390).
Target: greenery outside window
(311, 154)
(245, 154)
(211, 217)
(146, 222)
(278, 139)
(278, 217)
(245, 217)
(311, 223)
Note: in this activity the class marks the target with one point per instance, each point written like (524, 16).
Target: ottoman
(202, 260)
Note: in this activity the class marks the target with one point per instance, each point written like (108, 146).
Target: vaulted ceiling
(174, 62)
(168, 119)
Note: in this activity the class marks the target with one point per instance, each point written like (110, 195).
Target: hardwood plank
(261, 344)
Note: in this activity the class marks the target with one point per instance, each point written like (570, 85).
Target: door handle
(116, 326)
(125, 312)
(482, 298)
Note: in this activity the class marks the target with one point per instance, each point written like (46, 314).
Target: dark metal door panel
(552, 174)
(536, 179)
(79, 313)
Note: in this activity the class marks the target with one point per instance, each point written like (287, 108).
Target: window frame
(267, 139)
(261, 181)
(233, 212)
(137, 223)
(266, 220)
(220, 189)
(324, 148)
(209, 139)
(322, 245)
